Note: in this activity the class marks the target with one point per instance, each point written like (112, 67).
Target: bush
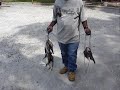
(46, 1)
(22, 0)
(42, 1)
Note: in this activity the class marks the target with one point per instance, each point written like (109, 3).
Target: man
(65, 14)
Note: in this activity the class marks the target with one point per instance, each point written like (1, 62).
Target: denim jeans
(69, 55)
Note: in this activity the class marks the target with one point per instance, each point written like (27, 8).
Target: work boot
(71, 76)
(63, 70)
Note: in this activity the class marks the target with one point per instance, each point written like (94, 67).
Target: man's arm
(50, 27)
(86, 29)
(53, 23)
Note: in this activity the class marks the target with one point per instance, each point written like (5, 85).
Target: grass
(41, 1)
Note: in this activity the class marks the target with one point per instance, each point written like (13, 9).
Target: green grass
(45, 1)
(42, 1)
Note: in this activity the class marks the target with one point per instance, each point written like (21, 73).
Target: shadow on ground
(21, 67)
(110, 10)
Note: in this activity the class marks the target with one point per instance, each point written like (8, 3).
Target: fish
(48, 53)
(88, 54)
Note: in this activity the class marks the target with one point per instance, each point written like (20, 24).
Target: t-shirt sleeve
(54, 14)
(83, 14)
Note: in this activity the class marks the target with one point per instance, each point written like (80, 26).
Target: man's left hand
(87, 31)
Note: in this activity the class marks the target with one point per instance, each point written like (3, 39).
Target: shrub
(42, 1)
(45, 1)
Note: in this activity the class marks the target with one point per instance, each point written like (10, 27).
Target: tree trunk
(0, 2)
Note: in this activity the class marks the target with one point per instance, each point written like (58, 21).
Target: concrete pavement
(22, 39)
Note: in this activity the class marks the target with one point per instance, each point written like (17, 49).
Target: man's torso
(67, 25)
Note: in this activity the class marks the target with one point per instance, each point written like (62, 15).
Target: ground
(22, 41)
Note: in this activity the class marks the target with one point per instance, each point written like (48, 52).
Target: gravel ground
(22, 39)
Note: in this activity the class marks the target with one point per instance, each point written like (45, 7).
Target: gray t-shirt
(64, 12)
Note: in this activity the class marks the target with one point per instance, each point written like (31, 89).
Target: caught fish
(88, 54)
(48, 53)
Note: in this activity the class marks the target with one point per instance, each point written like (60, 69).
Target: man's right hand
(49, 29)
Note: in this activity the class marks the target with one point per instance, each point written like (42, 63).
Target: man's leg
(72, 56)
(63, 48)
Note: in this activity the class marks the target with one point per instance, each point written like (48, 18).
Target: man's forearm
(53, 23)
(86, 29)
(85, 25)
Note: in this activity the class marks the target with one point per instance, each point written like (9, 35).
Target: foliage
(45, 1)
(42, 1)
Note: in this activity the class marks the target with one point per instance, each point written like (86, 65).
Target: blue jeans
(69, 55)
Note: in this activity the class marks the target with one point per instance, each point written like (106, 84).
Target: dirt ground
(22, 39)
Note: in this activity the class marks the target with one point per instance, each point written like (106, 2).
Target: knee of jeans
(72, 53)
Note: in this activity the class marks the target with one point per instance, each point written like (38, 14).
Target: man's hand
(87, 31)
(49, 29)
